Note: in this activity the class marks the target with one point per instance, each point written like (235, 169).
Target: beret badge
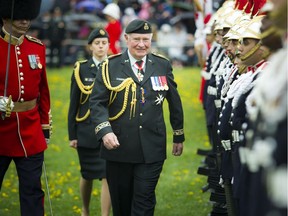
(146, 26)
(102, 32)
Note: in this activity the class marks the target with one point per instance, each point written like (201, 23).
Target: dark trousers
(29, 172)
(132, 187)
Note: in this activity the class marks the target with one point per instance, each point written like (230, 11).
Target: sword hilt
(8, 109)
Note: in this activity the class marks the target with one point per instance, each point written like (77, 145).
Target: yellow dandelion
(95, 192)
(73, 163)
(185, 171)
(54, 147)
(190, 193)
(175, 173)
(70, 191)
(7, 184)
(76, 209)
(4, 195)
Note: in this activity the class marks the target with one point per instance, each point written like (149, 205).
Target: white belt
(212, 90)
(217, 103)
(235, 135)
(226, 144)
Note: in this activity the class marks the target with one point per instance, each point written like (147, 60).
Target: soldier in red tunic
(24, 102)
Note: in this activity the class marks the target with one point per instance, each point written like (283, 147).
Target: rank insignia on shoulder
(160, 55)
(33, 39)
(79, 62)
(159, 83)
(82, 61)
(115, 55)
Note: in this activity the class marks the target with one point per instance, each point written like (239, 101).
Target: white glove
(6, 104)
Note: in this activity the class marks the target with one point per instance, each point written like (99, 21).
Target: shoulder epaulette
(161, 56)
(85, 89)
(33, 39)
(80, 62)
(115, 55)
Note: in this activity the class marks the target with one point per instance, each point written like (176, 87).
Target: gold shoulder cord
(126, 84)
(85, 90)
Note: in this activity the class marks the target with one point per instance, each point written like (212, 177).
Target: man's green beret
(97, 33)
(138, 26)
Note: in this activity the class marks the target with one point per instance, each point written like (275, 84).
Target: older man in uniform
(24, 102)
(127, 109)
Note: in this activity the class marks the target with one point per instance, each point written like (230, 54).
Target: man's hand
(73, 143)
(177, 149)
(6, 104)
(110, 141)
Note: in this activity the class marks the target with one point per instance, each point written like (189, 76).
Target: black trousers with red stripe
(29, 170)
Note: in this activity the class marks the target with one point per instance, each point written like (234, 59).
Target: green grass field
(179, 189)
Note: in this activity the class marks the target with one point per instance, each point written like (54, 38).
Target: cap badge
(102, 32)
(146, 27)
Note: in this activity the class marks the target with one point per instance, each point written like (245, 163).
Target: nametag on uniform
(120, 79)
(89, 79)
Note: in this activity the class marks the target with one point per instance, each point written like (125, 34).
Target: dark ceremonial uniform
(80, 126)
(210, 106)
(145, 143)
(23, 133)
(139, 127)
(208, 65)
(224, 125)
(225, 135)
(265, 153)
(211, 169)
(239, 122)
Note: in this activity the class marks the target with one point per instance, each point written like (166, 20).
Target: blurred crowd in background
(64, 25)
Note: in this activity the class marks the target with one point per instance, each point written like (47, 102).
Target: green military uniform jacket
(141, 134)
(80, 126)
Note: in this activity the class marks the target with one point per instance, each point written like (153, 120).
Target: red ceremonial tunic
(114, 30)
(21, 134)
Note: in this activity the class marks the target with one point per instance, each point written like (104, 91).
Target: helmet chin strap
(251, 52)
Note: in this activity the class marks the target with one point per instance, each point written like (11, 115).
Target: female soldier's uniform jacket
(140, 129)
(22, 134)
(79, 122)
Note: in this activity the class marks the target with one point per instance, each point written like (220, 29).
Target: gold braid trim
(83, 88)
(79, 119)
(82, 101)
(126, 84)
(178, 132)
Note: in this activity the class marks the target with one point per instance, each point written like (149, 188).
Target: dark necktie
(139, 65)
